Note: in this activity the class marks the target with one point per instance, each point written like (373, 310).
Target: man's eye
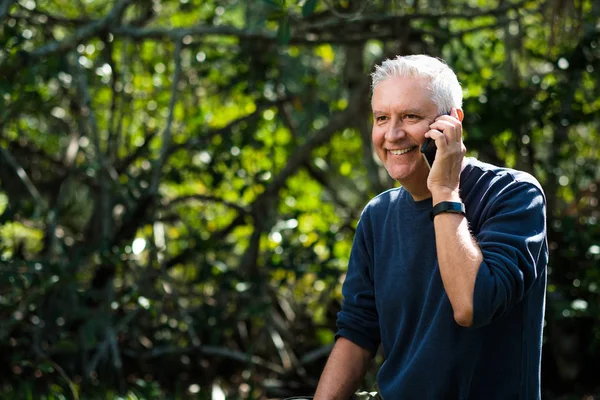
(411, 116)
(381, 118)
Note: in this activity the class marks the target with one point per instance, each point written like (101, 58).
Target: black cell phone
(429, 149)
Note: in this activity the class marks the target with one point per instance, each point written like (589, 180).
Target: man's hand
(444, 177)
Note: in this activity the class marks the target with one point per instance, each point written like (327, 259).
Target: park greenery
(180, 181)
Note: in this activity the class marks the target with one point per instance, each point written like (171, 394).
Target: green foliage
(180, 181)
(308, 7)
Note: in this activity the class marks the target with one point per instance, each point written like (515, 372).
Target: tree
(180, 180)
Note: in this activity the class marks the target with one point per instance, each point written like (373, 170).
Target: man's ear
(460, 113)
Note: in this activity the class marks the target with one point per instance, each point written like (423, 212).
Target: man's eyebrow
(412, 111)
(407, 111)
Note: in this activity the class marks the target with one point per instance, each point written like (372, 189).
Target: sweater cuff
(358, 339)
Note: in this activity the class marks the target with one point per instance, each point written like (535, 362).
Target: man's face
(402, 113)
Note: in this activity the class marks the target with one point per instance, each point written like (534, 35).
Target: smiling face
(402, 112)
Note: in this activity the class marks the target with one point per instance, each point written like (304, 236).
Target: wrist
(452, 207)
(445, 194)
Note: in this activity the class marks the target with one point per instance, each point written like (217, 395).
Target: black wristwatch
(447, 207)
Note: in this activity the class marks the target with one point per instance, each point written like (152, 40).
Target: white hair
(446, 91)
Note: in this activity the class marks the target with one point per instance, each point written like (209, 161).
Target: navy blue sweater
(394, 295)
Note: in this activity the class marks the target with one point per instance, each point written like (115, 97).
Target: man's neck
(418, 193)
(416, 186)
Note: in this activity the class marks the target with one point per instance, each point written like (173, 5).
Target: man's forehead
(403, 82)
(404, 110)
(399, 85)
(402, 95)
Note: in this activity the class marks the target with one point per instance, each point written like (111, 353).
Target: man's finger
(435, 134)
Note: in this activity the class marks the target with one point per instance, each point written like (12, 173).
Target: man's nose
(395, 131)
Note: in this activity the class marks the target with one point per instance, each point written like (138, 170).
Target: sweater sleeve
(513, 242)
(358, 319)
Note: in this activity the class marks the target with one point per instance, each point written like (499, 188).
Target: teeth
(400, 152)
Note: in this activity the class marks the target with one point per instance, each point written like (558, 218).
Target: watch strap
(447, 207)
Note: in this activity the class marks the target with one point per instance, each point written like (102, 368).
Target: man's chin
(400, 176)
(408, 173)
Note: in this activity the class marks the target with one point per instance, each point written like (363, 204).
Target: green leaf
(309, 7)
(284, 33)
(45, 367)
(276, 14)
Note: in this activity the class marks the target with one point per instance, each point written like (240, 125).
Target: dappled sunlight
(181, 181)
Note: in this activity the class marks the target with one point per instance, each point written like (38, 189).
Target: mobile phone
(429, 149)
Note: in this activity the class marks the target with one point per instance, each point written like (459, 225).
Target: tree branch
(300, 157)
(113, 132)
(313, 355)
(304, 34)
(166, 137)
(303, 153)
(85, 108)
(33, 191)
(316, 174)
(335, 22)
(309, 33)
(37, 16)
(107, 171)
(83, 33)
(212, 351)
(200, 141)
(334, 36)
(220, 235)
(61, 167)
(202, 197)
(137, 153)
(41, 354)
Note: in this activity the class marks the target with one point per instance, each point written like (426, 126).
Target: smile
(402, 151)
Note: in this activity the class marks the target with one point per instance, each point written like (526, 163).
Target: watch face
(448, 207)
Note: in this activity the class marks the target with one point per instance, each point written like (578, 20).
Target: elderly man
(447, 272)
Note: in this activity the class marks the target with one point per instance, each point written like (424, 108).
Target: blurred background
(180, 181)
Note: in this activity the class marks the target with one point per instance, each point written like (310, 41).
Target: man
(448, 272)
